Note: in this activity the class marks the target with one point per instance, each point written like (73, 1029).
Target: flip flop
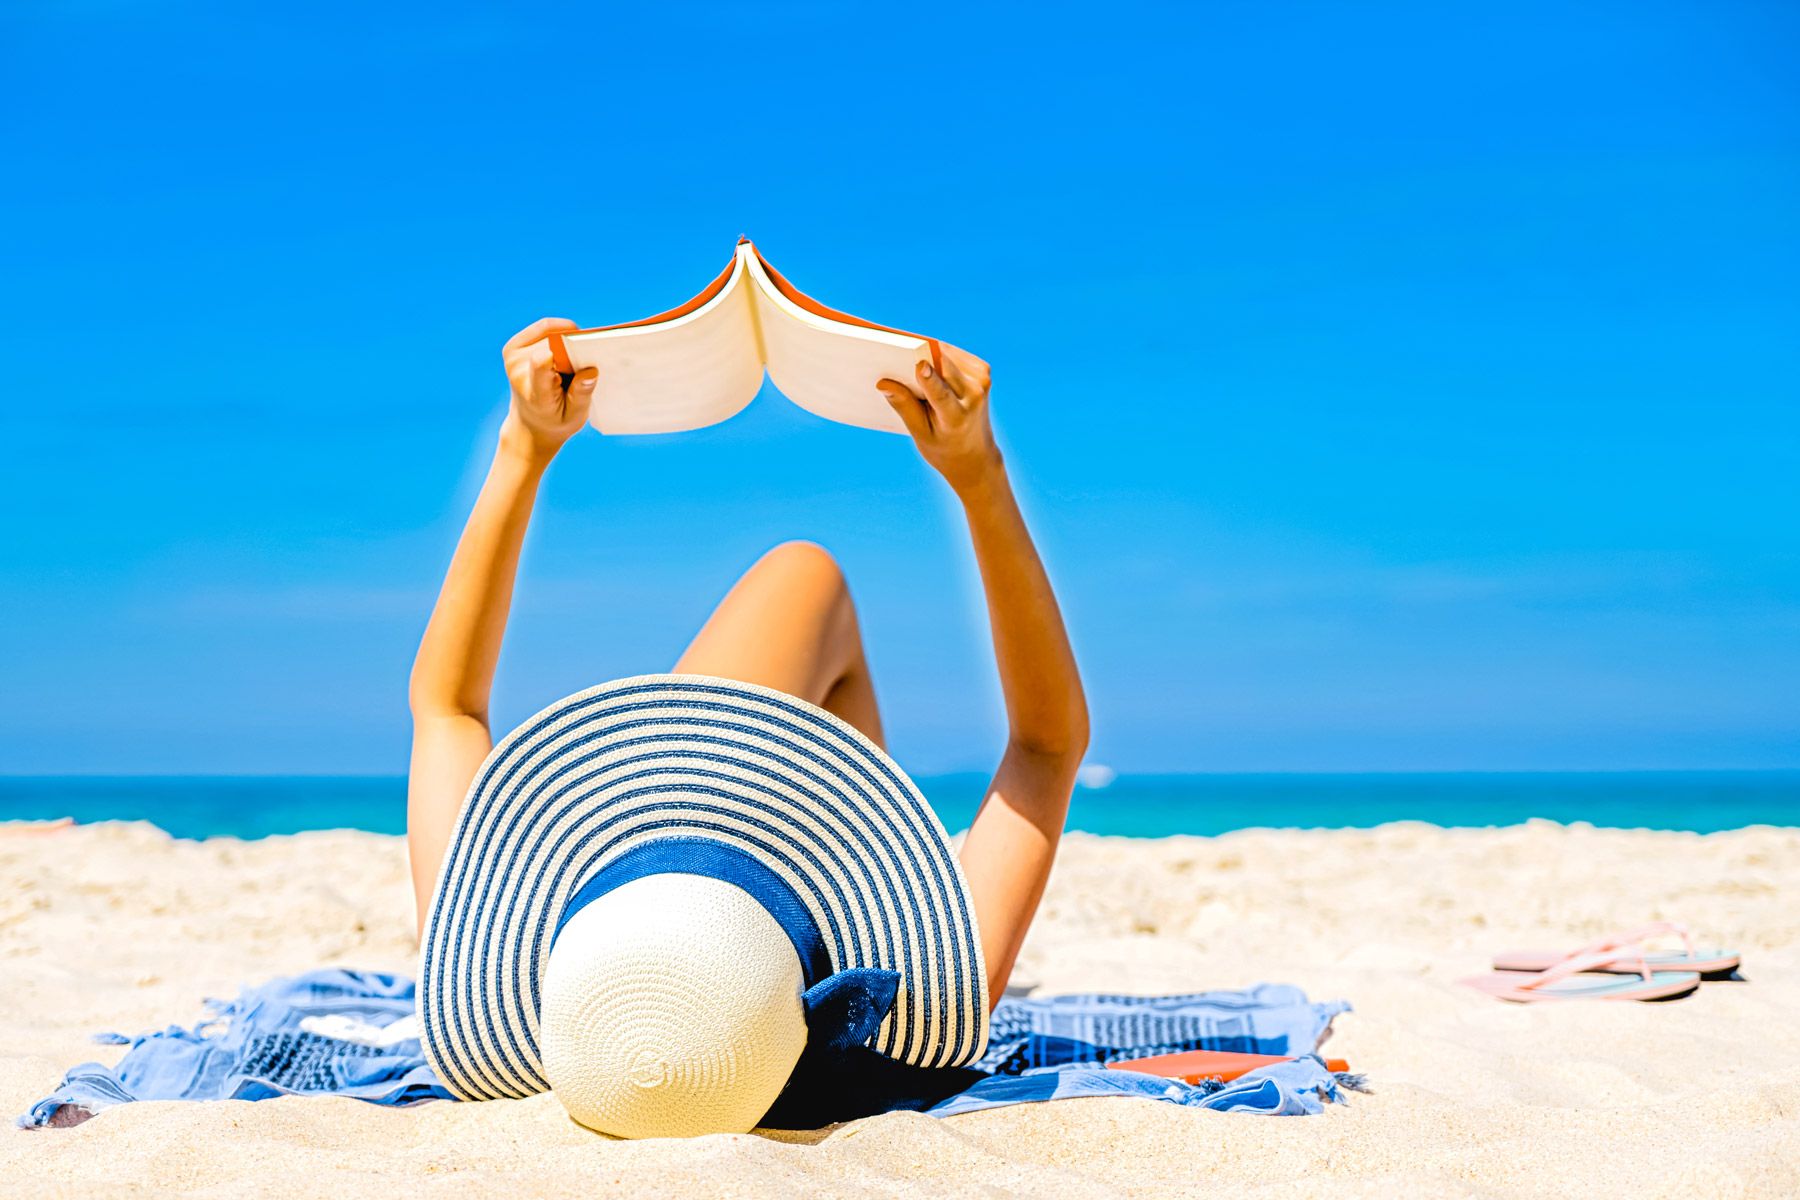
(1710, 962)
(1567, 981)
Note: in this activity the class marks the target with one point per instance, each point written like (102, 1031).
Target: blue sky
(1398, 388)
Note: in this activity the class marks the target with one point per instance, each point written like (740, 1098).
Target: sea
(1129, 805)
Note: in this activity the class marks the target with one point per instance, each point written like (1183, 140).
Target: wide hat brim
(617, 767)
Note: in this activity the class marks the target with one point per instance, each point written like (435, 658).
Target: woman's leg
(789, 624)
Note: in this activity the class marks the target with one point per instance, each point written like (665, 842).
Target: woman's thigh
(789, 624)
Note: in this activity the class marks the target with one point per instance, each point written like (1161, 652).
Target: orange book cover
(1191, 1066)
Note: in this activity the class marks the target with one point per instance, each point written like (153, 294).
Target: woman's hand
(544, 413)
(948, 417)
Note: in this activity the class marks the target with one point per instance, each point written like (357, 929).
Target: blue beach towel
(1058, 1047)
(253, 1048)
(354, 1033)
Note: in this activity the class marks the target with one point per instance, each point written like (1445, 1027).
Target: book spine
(762, 351)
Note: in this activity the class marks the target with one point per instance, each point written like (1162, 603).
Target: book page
(828, 367)
(686, 373)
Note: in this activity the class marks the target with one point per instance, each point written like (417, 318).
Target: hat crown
(671, 1007)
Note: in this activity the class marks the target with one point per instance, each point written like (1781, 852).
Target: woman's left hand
(546, 411)
(948, 417)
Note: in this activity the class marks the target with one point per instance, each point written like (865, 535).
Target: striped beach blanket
(355, 1033)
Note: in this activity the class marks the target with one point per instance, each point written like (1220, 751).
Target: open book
(703, 362)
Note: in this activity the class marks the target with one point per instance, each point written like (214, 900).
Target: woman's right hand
(544, 412)
(948, 417)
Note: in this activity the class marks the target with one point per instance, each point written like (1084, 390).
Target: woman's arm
(1009, 848)
(454, 670)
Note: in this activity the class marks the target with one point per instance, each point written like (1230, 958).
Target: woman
(788, 624)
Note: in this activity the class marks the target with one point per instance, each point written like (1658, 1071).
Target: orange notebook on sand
(703, 361)
(1191, 1066)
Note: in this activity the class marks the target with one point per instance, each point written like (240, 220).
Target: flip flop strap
(1587, 962)
(1632, 939)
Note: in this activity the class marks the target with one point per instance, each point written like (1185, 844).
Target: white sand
(118, 927)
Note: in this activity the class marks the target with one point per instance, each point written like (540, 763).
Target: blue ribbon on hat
(838, 1077)
(728, 864)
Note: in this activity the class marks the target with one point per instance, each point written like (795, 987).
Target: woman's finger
(974, 368)
(581, 390)
(912, 410)
(526, 365)
(945, 404)
(543, 365)
(538, 369)
(963, 383)
(536, 332)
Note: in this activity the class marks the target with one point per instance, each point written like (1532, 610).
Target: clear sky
(1393, 386)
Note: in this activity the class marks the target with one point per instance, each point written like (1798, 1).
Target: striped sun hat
(663, 891)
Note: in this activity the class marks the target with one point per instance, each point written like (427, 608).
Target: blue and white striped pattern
(659, 756)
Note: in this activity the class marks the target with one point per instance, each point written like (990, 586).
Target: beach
(119, 927)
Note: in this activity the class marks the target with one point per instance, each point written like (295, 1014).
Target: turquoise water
(1140, 806)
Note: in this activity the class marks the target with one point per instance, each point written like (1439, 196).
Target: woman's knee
(805, 561)
(810, 579)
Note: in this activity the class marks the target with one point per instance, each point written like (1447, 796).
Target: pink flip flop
(1628, 952)
(1570, 980)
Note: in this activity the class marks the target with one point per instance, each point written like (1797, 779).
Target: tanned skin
(788, 623)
